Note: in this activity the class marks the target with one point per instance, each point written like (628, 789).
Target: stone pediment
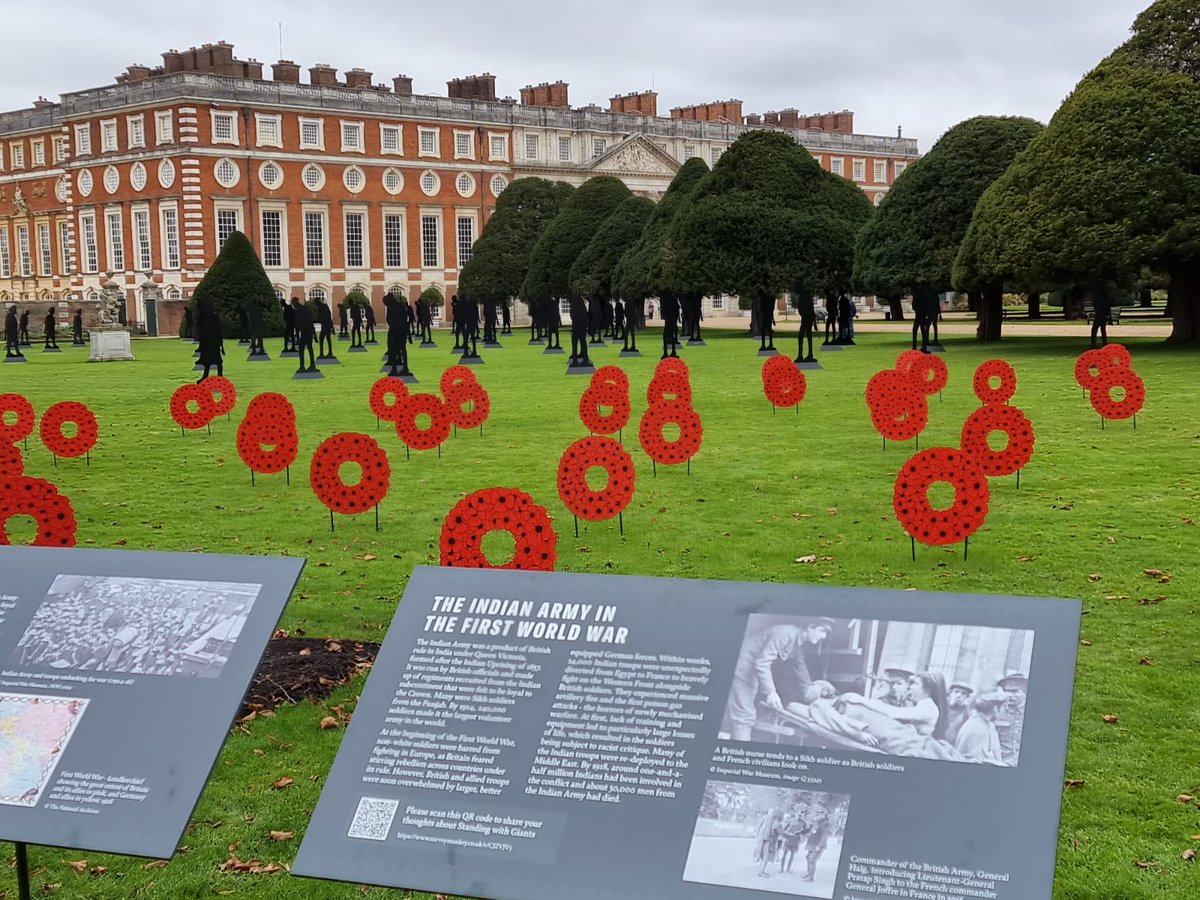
(636, 155)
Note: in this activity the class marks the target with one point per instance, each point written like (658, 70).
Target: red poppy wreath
(20, 410)
(573, 488)
(222, 395)
(267, 440)
(184, 398)
(1090, 363)
(498, 509)
(411, 433)
(962, 517)
(11, 461)
(899, 410)
(998, 417)
(783, 384)
(1112, 379)
(669, 384)
(324, 473)
(614, 375)
(927, 369)
(61, 414)
(1006, 381)
(469, 405)
(40, 499)
(387, 394)
(601, 395)
(656, 418)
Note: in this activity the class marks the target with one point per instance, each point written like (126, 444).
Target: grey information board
(120, 673)
(547, 735)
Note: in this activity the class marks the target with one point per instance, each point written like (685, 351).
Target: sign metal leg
(23, 891)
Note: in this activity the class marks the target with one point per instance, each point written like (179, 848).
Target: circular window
(270, 175)
(430, 183)
(112, 179)
(354, 179)
(137, 176)
(499, 183)
(227, 172)
(166, 173)
(313, 177)
(393, 181)
(465, 184)
(60, 190)
(85, 183)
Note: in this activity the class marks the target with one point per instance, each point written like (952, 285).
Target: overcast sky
(920, 64)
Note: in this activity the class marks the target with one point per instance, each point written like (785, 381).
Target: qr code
(373, 818)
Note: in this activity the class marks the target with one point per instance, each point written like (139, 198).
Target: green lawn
(1095, 509)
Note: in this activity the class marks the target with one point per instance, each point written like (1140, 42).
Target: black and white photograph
(138, 626)
(768, 839)
(915, 689)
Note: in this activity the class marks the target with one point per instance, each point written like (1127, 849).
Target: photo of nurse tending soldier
(916, 689)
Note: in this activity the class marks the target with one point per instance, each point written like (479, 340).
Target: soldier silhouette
(49, 326)
(325, 320)
(369, 316)
(397, 313)
(356, 326)
(255, 326)
(306, 334)
(77, 326)
(12, 335)
(580, 328)
(25, 328)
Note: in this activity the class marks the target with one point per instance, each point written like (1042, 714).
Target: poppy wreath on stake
(1109, 380)
(499, 509)
(22, 411)
(899, 410)
(577, 496)
(324, 473)
(998, 417)
(181, 406)
(1005, 374)
(222, 395)
(1091, 362)
(966, 513)
(40, 499)
(669, 384)
(477, 413)
(930, 373)
(454, 377)
(656, 418)
(439, 421)
(387, 394)
(601, 394)
(69, 412)
(673, 364)
(267, 440)
(783, 383)
(614, 375)
(11, 461)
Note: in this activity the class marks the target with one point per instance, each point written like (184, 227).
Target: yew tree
(592, 272)
(235, 277)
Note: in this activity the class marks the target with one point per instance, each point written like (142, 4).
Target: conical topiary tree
(237, 276)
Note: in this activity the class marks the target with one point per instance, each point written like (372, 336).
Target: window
(137, 176)
(64, 246)
(466, 238)
(390, 140)
(465, 184)
(226, 172)
(431, 241)
(59, 148)
(224, 127)
(858, 169)
(312, 134)
(313, 177)
(16, 154)
(169, 220)
(878, 199)
(135, 130)
(164, 127)
(430, 183)
(499, 183)
(141, 239)
(91, 254)
(112, 179)
(83, 140)
(228, 221)
(531, 146)
(270, 175)
(464, 145)
(393, 241)
(352, 137)
(355, 226)
(62, 189)
(24, 261)
(166, 173)
(880, 171)
(272, 238)
(393, 181)
(116, 240)
(108, 135)
(564, 149)
(837, 165)
(498, 146)
(314, 240)
(37, 152)
(689, 150)
(820, 159)
(715, 154)
(85, 183)
(317, 295)
(267, 130)
(427, 141)
(354, 179)
(899, 167)
(718, 303)
(599, 145)
(45, 254)
(5, 258)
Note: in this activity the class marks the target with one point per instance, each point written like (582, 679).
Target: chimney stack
(286, 72)
(322, 75)
(358, 78)
(402, 85)
(546, 94)
(644, 103)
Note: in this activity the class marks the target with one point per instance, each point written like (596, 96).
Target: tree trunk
(974, 299)
(1184, 304)
(895, 303)
(1145, 298)
(1035, 305)
(991, 313)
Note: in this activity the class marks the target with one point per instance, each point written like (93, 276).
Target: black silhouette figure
(12, 335)
(289, 327)
(343, 322)
(325, 320)
(25, 328)
(356, 326)
(468, 310)
(766, 320)
(186, 332)
(670, 315)
(306, 334)
(255, 327)
(1101, 310)
(77, 326)
(694, 311)
(618, 329)
(425, 320)
(456, 323)
(243, 325)
(631, 325)
(553, 325)
(369, 316)
(505, 319)
(831, 319)
(208, 327)
(846, 313)
(397, 314)
(489, 322)
(595, 314)
(808, 320)
(581, 326)
(50, 327)
(925, 305)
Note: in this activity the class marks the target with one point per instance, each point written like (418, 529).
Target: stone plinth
(109, 343)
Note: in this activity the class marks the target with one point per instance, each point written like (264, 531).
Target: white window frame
(90, 258)
(387, 128)
(564, 149)
(319, 124)
(59, 148)
(858, 170)
(837, 165)
(239, 221)
(459, 219)
(498, 146)
(880, 171)
(898, 168)
(364, 238)
(168, 230)
(469, 137)
(281, 211)
(114, 236)
(689, 150)
(599, 147)
(718, 303)
(5, 254)
(164, 127)
(263, 124)
(37, 152)
(533, 141)
(356, 128)
(402, 219)
(323, 217)
(229, 117)
(64, 246)
(16, 154)
(439, 248)
(714, 155)
(424, 132)
(45, 251)
(135, 130)
(143, 244)
(108, 135)
(24, 252)
(83, 139)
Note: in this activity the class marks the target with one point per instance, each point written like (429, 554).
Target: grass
(1095, 509)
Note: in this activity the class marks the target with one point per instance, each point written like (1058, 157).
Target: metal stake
(621, 522)
(966, 546)
(289, 475)
(331, 520)
(376, 516)
(914, 547)
(576, 518)
(23, 891)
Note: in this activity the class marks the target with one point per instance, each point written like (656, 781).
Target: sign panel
(545, 735)
(120, 673)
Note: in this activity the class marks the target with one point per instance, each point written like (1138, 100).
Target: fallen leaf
(1094, 577)
(306, 651)
(1185, 798)
(283, 781)
(1110, 719)
(1086, 643)
(1153, 573)
(811, 558)
(1075, 782)
(79, 865)
(1189, 854)
(328, 722)
(368, 557)
(1145, 661)
(1194, 837)
(155, 864)
(1026, 558)
(1143, 865)
(282, 835)
(97, 870)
